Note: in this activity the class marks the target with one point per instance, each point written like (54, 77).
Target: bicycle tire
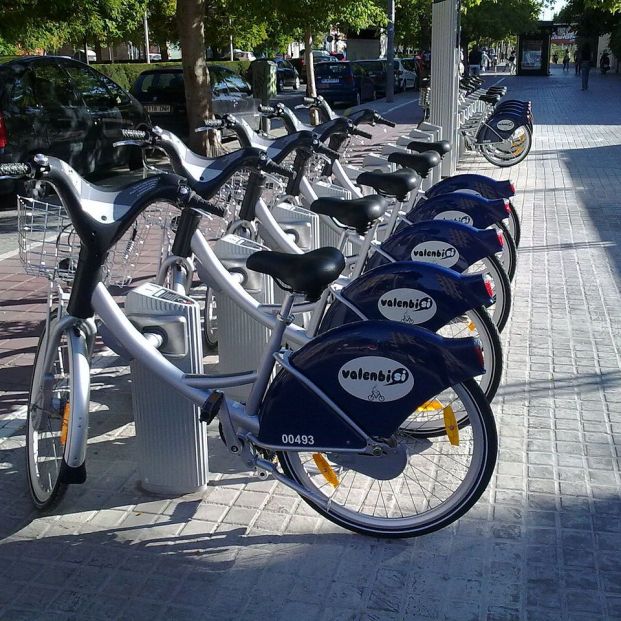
(485, 330)
(48, 496)
(476, 475)
(514, 225)
(504, 159)
(508, 255)
(210, 320)
(501, 308)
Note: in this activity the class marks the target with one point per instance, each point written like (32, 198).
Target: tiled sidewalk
(543, 543)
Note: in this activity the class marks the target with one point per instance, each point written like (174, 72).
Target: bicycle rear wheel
(510, 152)
(508, 255)
(51, 405)
(440, 481)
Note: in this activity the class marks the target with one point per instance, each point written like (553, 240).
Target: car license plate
(157, 108)
(330, 81)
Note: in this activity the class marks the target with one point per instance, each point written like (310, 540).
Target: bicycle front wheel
(54, 395)
(441, 480)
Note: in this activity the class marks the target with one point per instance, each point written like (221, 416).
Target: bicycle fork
(80, 335)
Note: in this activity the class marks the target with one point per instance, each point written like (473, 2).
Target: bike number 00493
(289, 438)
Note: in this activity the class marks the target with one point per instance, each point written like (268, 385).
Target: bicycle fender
(461, 206)
(441, 242)
(376, 372)
(485, 186)
(410, 292)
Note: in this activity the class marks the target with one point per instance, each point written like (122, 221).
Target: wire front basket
(49, 246)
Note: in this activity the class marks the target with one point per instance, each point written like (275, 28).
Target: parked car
(405, 75)
(62, 107)
(162, 93)
(411, 64)
(344, 82)
(319, 56)
(243, 55)
(376, 69)
(286, 74)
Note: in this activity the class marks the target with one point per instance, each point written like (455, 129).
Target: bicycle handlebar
(16, 170)
(382, 121)
(211, 124)
(136, 134)
(191, 199)
(327, 151)
(271, 167)
(362, 134)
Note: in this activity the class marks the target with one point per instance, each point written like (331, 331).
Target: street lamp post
(147, 47)
(390, 52)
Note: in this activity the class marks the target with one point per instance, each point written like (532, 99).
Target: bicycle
(335, 436)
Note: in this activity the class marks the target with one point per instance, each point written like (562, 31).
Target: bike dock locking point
(241, 339)
(172, 442)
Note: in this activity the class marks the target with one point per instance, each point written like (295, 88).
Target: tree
(191, 27)
(495, 20)
(413, 24)
(163, 23)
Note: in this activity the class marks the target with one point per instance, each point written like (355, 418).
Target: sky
(548, 14)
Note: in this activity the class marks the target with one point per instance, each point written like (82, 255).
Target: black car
(376, 70)
(62, 107)
(161, 91)
(344, 82)
(286, 74)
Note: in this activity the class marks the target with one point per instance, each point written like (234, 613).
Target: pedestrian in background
(474, 60)
(511, 62)
(566, 60)
(576, 62)
(585, 65)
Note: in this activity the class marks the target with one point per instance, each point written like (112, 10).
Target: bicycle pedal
(211, 407)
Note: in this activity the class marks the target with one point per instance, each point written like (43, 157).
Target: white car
(405, 76)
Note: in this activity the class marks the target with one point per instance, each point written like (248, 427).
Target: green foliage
(615, 40)
(413, 23)
(499, 19)
(589, 21)
(125, 74)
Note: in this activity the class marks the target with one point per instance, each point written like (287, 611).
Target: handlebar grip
(277, 169)
(327, 151)
(16, 169)
(267, 109)
(197, 202)
(309, 100)
(210, 124)
(135, 134)
(386, 122)
(362, 134)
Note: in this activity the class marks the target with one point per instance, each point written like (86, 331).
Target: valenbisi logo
(505, 125)
(438, 252)
(407, 305)
(375, 378)
(456, 216)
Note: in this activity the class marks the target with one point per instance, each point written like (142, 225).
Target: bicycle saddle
(308, 273)
(359, 213)
(397, 184)
(491, 99)
(442, 147)
(422, 163)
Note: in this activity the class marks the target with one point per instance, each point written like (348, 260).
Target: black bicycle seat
(308, 273)
(397, 184)
(441, 147)
(359, 213)
(491, 99)
(422, 163)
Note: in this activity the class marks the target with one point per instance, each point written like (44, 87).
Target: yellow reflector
(471, 326)
(450, 425)
(326, 469)
(65, 427)
(430, 406)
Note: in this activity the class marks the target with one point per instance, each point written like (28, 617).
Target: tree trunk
(311, 89)
(163, 50)
(98, 51)
(190, 22)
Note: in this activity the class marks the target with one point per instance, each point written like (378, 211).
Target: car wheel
(296, 84)
(280, 85)
(357, 99)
